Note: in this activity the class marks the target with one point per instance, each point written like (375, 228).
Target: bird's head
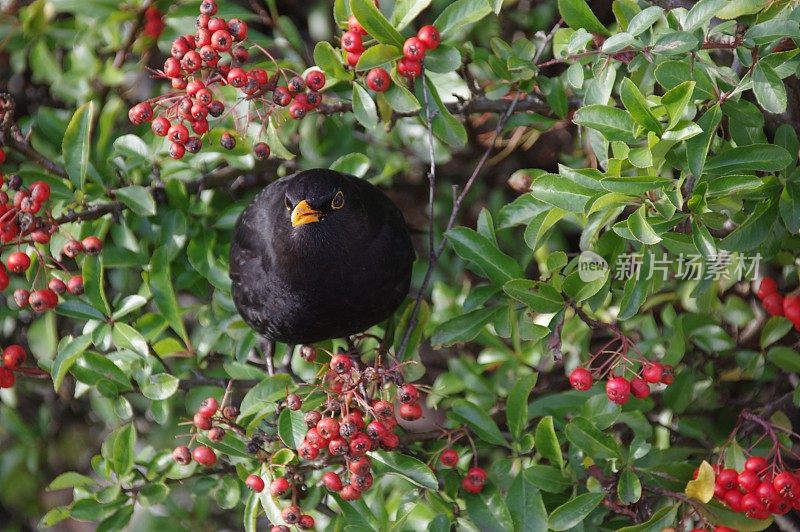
(314, 196)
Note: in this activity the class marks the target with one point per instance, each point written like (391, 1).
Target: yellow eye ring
(338, 201)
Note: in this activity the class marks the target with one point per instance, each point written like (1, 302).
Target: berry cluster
(26, 219)
(777, 304)
(214, 56)
(618, 388)
(208, 418)
(153, 22)
(13, 357)
(759, 490)
(409, 66)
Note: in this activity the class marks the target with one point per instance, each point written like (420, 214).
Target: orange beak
(303, 214)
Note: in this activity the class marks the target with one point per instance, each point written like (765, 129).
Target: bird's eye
(338, 200)
(287, 203)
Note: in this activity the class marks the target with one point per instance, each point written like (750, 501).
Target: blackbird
(319, 255)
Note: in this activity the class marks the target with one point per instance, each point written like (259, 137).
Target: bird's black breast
(324, 280)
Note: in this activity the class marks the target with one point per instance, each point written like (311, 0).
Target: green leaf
(488, 510)
(526, 506)
(116, 521)
(138, 199)
(759, 157)
(702, 12)
(634, 185)
(375, 23)
(478, 420)
(697, 147)
(268, 390)
(119, 449)
(464, 327)
(159, 386)
(446, 127)
(401, 99)
(517, 404)
(629, 487)
(70, 479)
(537, 295)
(676, 42)
(644, 19)
(75, 308)
(68, 353)
(326, 58)
(637, 106)
(611, 122)
(94, 283)
(703, 241)
(640, 228)
(292, 428)
(578, 14)
(574, 511)
(125, 336)
(595, 443)
(562, 193)
(675, 101)
(459, 14)
(442, 60)
(364, 107)
(789, 206)
(77, 143)
(250, 514)
(483, 253)
(768, 88)
(660, 520)
(785, 358)
(547, 442)
(378, 55)
(405, 11)
(54, 516)
(548, 478)
(405, 467)
(776, 328)
(164, 294)
(753, 231)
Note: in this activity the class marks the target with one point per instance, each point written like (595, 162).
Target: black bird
(319, 255)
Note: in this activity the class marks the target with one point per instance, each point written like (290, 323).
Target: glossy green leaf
(611, 122)
(405, 467)
(578, 14)
(459, 14)
(164, 293)
(478, 420)
(67, 354)
(76, 146)
(375, 23)
(547, 443)
(595, 443)
(538, 296)
(517, 404)
(574, 511)
(480, 251)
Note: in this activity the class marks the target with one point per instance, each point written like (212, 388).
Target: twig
(122, 53)
(12, 138)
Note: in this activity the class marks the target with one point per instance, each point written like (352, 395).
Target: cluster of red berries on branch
(619, 388)
(13, 357)
(25, 219)
(777, 304)
(409, 66)
(153, 22)
(211, 58)
(759, 489)
(209, 419)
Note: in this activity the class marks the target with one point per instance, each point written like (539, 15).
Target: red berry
(752, 505)
(2, 156)
(338, 446)
(315, 80)
(75, 285)
(413, 49)
(204, 456)
(580, 379)
(639, 388)
(378, 80)
(221, 40)
(140, 113)
(6, 378)
(355, 26)
(349, 493)
(208, 8)
(792, 312)
(767, 493)
(201, 422)
(618, 390)
(40, 191)
(297, 111)
(21, 297)
(768, 286)
(216, 23)
(237, 77)
(408, 393)
(352, 58)
(159, 126)
(307, 451)
(216, 434)
(652, 372)
(180, 47)
(727, 479)
(261, 151)
(449, 458)
(227, 141)
(360, 466)
(341, 363)
(19, 262)
(172, 67)
(281, 96)
(194, 86)
(360, 444)
(191, 62)
(291, 515)
(4, 280)
(668, 375)
(361, 483)
(178, 133)
(383, 410)
(279, 486)
(238, 29)
(429, 36)
(13, 356)
(773, 304)
(306, 522)
(784, 483)
(208, 407)
(390, 441)
(328, 427)
(756, 464)
(409, 68)
(182, 455)
(351, 42)
(255, 483)
(474, 481)
(410, 412)
(356, 417)
(332, 481)
(293, 402)
(748, 480)
(92, 245)
(733, 498)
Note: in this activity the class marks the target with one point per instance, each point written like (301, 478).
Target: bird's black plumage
(298, 282)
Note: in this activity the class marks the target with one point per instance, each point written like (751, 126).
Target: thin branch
(12, 138)
(122, 53)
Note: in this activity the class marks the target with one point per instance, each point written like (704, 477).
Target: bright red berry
(140, 113)
(349, 493)
(784, 483)
(756, 464)
(92, 245)
(332, 481)
(307, 451)
(378, 80)
(351, 42)
(182, 455)
(768, 286)
(341, 363)
(727, 479)
(474, 481)
(238, 29)
(748, 480)
(618, 390)
(328, 427)
(291, 515)
(773, 304)
(352, 58)
(668, 375)
(449, 458)
(204, 456)
(652, 372)
(306, 522)
(409, 68)
(429, 36)
(75, 285)
(255, 483)
(733, 498)
(408, 393)
(237, 77)
(279, 486)
(221, 40)
(40, 191)
(315, 80)
(6, 378)
(360, 466)
(580, 379)
(355, 26)
(639, 388)
(21, 297)
(413, 49)
(201, 422)
(410, 412)
(261, 151)
(208, 407)
(19, 262)
(13, 356)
